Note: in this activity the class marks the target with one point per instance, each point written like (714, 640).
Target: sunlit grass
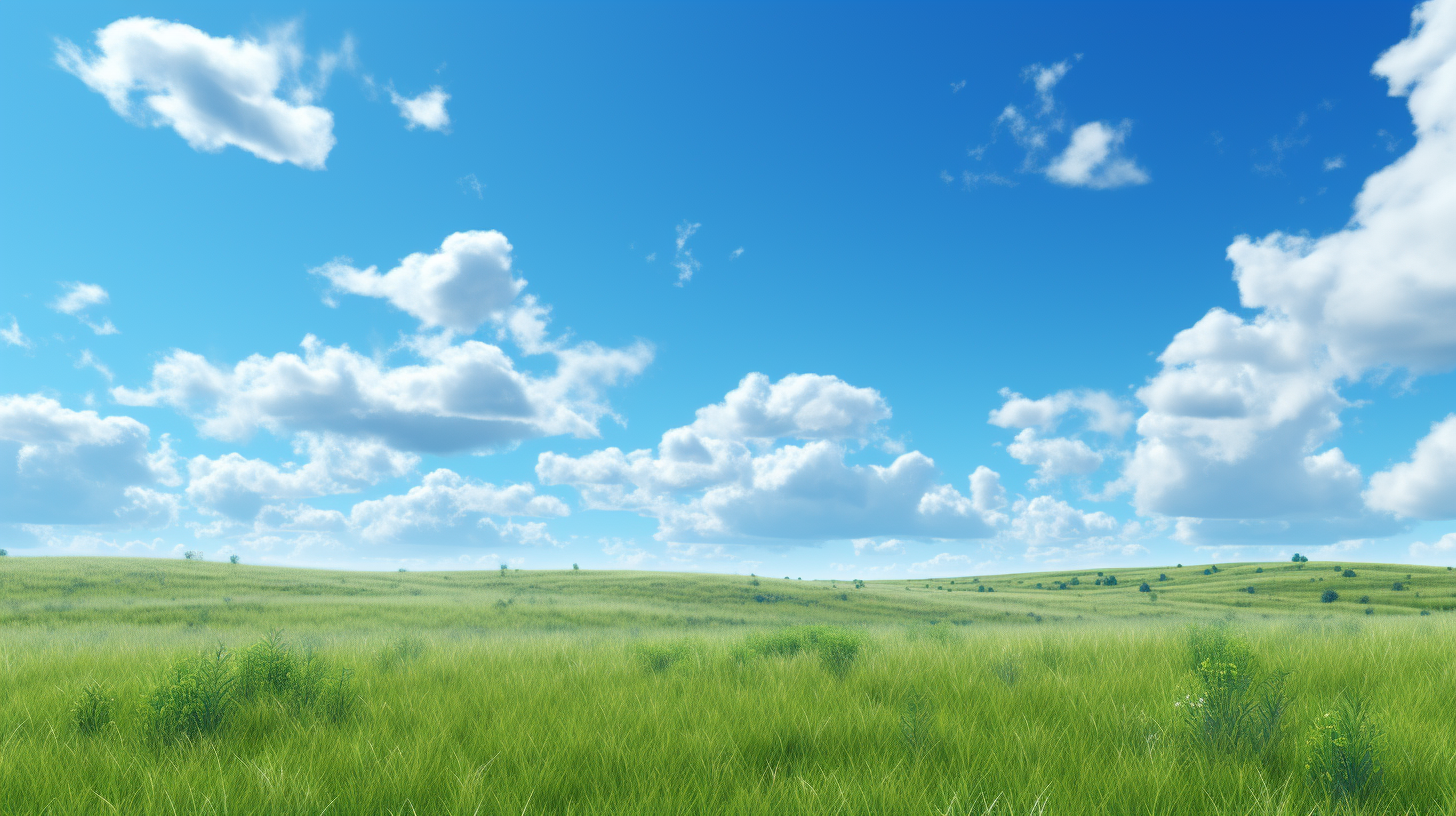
(646, 693)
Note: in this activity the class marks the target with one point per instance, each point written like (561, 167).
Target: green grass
(592, 692)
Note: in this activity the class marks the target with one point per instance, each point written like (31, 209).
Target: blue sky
(822, 290)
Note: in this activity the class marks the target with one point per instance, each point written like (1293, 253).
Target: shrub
(1425, 611)
(233, 559)
(1369, 610)
(1162, 576)
(575, 566)
(4, 553)
(193, 555)
(1180, 566)
(1364, 599)
(194, 697)
(1143, 587)
(1249, 589)
(1076, 580)
(858, 584)
(1213, 567)
(659, 657)
(990, 589)
(1234, 706)
(1208, 572)
(1097, 582)
(1329, 596)
(92, 710)
(1099, 574)
(1397, 587)
(836, 648)
(1349, 573)
(1298, 559)
(981, 588)
(1110, 580)
(1259, 569)
(1344, 747)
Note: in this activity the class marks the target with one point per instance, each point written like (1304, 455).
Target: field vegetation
(152, 686)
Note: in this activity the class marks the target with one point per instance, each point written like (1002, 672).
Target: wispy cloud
(683, 258)
(13, 336)
(470, 184)
(78, 300)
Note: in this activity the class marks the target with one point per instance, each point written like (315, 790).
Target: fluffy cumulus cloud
(1442, 550)
(1424, 487)
(768, 464)
(59, 466)
(1093, 158)
(460, 396)
(448, 503)
(214, 91)
(238, 487)
(426, 110)
(1238, 423)
(464, 283)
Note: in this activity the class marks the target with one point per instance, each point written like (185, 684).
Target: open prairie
(137, 685)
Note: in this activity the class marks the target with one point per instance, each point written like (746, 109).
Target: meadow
(168, 686)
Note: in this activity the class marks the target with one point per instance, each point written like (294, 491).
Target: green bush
(93, 707)
(835, 647)
(1329, 596)
(659, 657)
(1344, 747)
(1233, 706)
(194, 697)
(1349, 573)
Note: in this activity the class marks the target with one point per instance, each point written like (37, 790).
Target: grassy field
(147, 686)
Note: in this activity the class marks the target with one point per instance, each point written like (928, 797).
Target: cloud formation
(77, 302)
(446, 502)
(729, 476)
(214, 91)
(426, 110)
(1094, 159)
(461, 285)
(1424, 487)
(59, 466)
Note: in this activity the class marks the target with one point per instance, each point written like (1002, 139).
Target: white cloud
(426, 110)
(1444, 549)
(1093, 159)
(464, 283)
(626, 553)
(723, 479)
(942, 563)
(13, 336)
(89, 360)
(214, 91)
(465, 396)
(1053, 457)
(79, 297)
(735, 254)
(877, 545)
(238, 487)
(1103, 413)
(1424, 487)
(1238, 422)
(683, 257)
(1334, 163)
(1045, 78)
(78, 300)
(446, 502)
(1045, 519)
(59, 466)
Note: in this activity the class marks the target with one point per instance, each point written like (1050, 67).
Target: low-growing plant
(659, 657)
(1397, 587)
(1344, 747)
(913, 721)
(93, 708)
(1258, 569)
(402, 650)
(1162, 576)
(1329, 596)
(1007, 669)
(835, 647)
(194, 697)
(1234, 705)
(1143, 587)
(1249, 589)
(1349, 573)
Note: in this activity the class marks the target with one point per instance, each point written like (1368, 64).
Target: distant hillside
(148, 592)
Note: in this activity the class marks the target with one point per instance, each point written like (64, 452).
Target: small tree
(503, 570)
(1143, 587)
(193, 555)
(575, 567)
(1162, 576)
(4, 553)
(1110, 580)
(232, 559)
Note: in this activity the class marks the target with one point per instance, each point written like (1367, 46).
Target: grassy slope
(150, 592)
(528, 696)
